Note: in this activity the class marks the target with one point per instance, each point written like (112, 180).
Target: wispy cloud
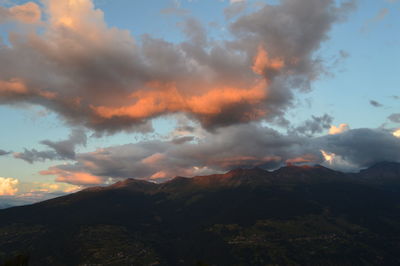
(375, 103)
(60, 150)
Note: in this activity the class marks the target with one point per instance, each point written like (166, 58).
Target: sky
(95, 91)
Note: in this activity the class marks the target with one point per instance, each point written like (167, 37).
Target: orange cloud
(329, 157)
(338, 130)
(72, 13)
(153, 159)
(14, 86)
(42, 188)
(159, 98)
(160, 174)
(307, 158)
(17, 87)
(263, 62)
(75, 178)
(8, 186)
(28, 13)
(103, 79)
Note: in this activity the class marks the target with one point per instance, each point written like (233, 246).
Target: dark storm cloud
(109, 82)
(60, 150)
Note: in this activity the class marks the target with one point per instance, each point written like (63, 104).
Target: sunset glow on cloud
(338, 129)
(8, 186)
(76, 178)
(29, 13)
(104, 79)
(397, 133)
(89, 97)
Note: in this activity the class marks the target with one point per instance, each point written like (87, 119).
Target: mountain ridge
(292, 216)
(296, 173)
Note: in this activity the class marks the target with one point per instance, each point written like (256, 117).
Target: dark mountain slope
(293, 216)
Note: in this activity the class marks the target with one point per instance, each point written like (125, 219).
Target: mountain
(292, 216)
(5, 205)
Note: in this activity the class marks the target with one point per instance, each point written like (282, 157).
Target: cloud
(75, 178)
(333, 130)
(380, 15)
(28, 13)
(230, 147)
(176, 11)
(395, 118)
(66, 148)
(29, 193)
(8, 186)
(34, 155)
(362, 147)
(314, 125)
(236, 8)
(102, 78)
(396, 133)
(243, 145)
(375, 103)
(60, 150)
(2, 152)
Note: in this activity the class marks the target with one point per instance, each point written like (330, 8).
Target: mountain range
(296, 215)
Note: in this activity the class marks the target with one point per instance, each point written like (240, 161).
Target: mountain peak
(382, 172)
(245, 171)
(385, 165)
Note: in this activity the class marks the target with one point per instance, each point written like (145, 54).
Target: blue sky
(361, 59)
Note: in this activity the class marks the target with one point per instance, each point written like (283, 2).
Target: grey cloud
(3, 152)
(182, 140)
(235, 9)
(231, 147)
(363, 147)
(33, 155)
(195, 32)
(375, 103)
(238, 146)
(395, 118)
(60, 150)
(314, 125)
(109, 82)
(66, 148)
(281, 28)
